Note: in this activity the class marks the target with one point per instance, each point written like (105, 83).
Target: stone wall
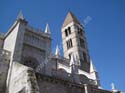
(1, 42)
(54, 85)
(4, 66)
(95, 89)
(22, 80)
(49, 84)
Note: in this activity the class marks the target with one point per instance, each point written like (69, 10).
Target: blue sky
(105, 31)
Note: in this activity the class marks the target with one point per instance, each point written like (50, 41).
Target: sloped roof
(70, 18)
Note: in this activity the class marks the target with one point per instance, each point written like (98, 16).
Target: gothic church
(27, 64)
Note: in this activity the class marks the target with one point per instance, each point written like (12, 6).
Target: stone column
(86, 89)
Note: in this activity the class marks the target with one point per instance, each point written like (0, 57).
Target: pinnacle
(20, 15)
(92, 67)
(47, 30)
(57, 52)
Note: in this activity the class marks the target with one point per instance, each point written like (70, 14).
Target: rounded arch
(30, 62)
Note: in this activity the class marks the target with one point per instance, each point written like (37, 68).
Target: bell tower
(74, 41)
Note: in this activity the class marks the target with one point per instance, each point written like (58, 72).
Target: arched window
(69, 43)
(67, 31)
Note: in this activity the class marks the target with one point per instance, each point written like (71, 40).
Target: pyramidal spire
(70, 18)
(47, 30)
(92, 67)
(20, 15)
(57, 52)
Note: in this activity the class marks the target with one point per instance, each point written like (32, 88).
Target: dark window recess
(84, 57)
(69, 56)
(67, 31)
(69, 43)
(80, 31)
(82, 43)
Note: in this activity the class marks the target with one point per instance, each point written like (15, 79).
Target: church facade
(27, 64)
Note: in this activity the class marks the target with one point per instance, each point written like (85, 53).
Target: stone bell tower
(74, 41)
